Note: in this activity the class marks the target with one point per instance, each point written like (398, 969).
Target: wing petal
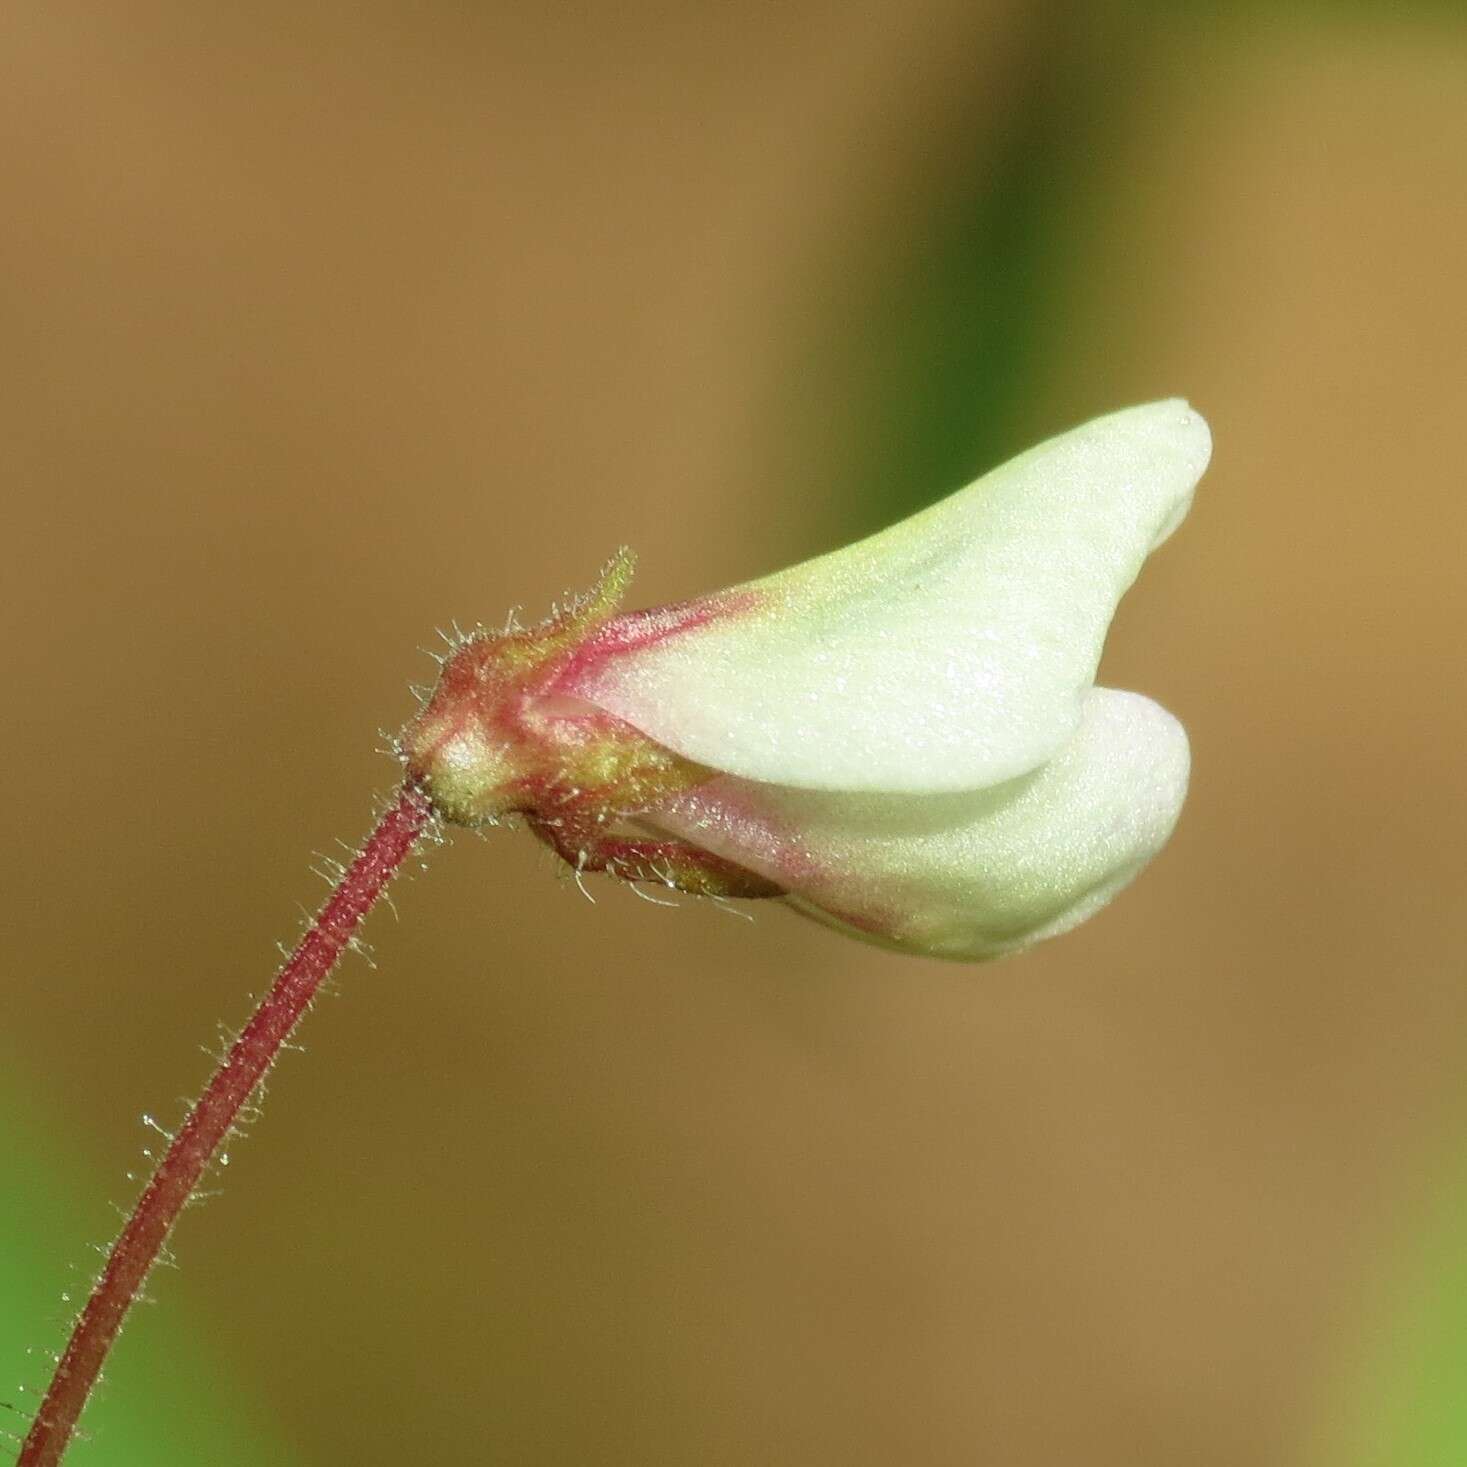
(970, 875)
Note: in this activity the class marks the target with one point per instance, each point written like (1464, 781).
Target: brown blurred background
(324, 326)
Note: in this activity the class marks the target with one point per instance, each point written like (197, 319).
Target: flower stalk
(210, 1121)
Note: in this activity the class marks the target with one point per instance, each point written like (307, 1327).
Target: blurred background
(325, 325)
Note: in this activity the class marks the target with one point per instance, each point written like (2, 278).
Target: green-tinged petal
(949, 652)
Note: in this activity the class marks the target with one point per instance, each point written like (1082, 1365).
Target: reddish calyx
(499, 736)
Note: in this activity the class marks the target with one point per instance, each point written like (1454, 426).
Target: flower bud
(902, 738)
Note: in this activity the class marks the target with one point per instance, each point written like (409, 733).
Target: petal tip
(1151, 743)
(1191, 436)
(1177, 441)
(1172, 429)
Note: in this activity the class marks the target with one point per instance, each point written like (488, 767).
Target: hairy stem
(209, 1123)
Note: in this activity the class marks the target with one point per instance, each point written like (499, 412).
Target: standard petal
(968, 875)
(949, 652)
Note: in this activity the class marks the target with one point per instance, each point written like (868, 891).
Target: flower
(901, 739)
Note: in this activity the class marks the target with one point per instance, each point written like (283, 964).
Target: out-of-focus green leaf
(1405, 1405)
(170, 1397)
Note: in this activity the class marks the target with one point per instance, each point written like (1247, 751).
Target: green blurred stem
(210, 1121)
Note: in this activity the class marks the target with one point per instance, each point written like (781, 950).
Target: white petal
(946, 653)
(963, 875)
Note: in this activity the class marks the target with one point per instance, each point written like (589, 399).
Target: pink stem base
(215, 1112)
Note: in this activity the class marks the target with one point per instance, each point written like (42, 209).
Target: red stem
(209, 1122)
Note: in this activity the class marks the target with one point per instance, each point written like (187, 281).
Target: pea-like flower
(901, 739)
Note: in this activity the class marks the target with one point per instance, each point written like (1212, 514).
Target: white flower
(901, 738)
